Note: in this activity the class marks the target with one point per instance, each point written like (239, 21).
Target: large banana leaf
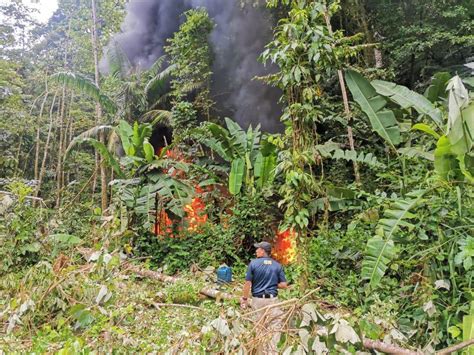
(220, 141)
(238, 137)
(445, 161)
(125, 131)
(437, 88)
(382, 120)
(460, 130)
(86, 86)
(408, 99)
(264, 169)
(380, 248)
(236, 176)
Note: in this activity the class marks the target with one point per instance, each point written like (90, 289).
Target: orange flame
(195, 211)
(284, 249)
(164, 225)
(195, 215)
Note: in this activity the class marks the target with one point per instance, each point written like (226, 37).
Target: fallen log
(155, 275)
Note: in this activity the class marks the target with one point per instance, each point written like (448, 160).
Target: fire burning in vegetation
(195, 213)
(284, 249)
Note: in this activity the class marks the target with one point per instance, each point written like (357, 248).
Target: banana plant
(383, 120)
(252, 159)
(454, 154)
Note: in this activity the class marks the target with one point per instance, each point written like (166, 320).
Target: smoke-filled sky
(239, 37)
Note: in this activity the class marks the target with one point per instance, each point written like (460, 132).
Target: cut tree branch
(456, 347)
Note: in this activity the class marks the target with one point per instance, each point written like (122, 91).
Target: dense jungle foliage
(369, 180)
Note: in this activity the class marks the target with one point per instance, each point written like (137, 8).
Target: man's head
(263, 249)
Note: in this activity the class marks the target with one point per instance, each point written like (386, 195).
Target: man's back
(265, 274)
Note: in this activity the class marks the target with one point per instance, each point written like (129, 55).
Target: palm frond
(119, 64)
(156, 66)
(83, 84)
(158, 116)
(90, 133)
(160, 78)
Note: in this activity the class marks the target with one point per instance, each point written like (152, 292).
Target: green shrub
(211, 246)
(19, 243)
(183, 292)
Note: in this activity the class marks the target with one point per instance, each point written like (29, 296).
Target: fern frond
(363, 158)
(381, 248)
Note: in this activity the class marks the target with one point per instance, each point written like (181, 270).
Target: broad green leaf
(237, 136)
(407, 98)
(236, 176)
(468, 331)
(460, 117)
(125, 132)
(446, 164)
(413, 152)
(264, 169)
(149, 151)
(382, 120)
(425, 128)
(437, 88)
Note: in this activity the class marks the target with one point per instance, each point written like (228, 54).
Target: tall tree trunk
(46, 147)
(98, 110)
(61, 127)
(345, 100)
(59, 167)
(38, 131)
(68, 137)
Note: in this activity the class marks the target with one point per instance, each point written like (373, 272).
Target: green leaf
(265, 170)
(380, 248)
(236, 176)
(437, 89)
(460, 131)
(407, 98)
(382, 120)
(446, 164)
(468, 332)
(149, 151)
(425, 128)
(413, 152)
(108, 157)
(66, 239)
(125, 132)
(85, 85)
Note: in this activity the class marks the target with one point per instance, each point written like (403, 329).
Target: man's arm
(245, 294)
(246, 289)
(282, 283)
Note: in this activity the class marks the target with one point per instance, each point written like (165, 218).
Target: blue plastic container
(224, 274)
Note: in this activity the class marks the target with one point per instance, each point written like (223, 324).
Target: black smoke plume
(239, 37)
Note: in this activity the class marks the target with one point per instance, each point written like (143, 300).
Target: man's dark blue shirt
(265, 275)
